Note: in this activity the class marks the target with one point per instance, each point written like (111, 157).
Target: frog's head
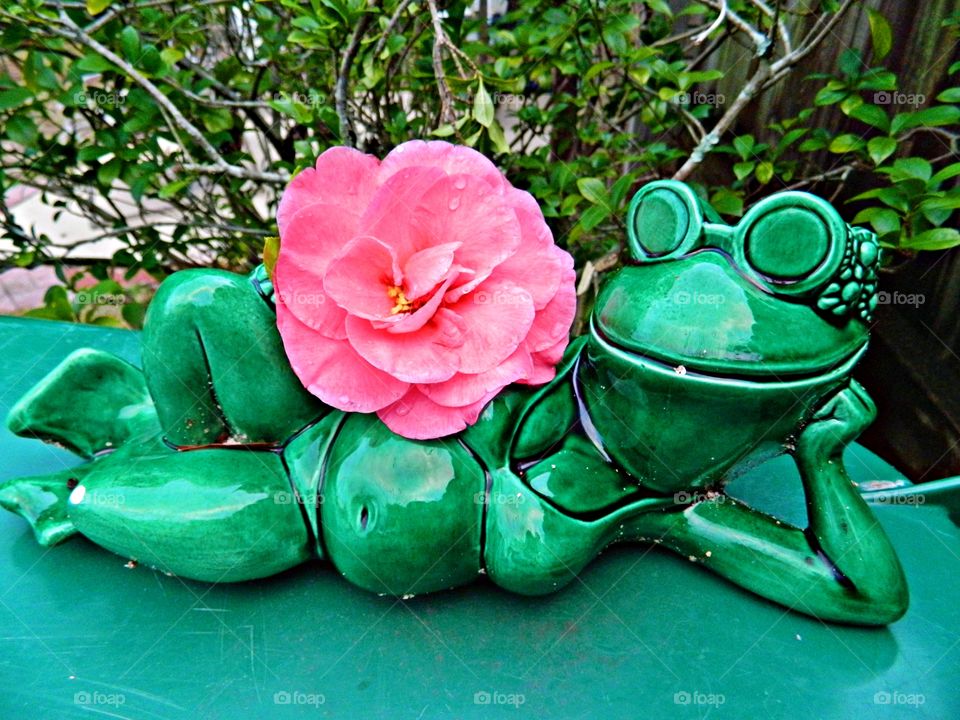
(786, 293)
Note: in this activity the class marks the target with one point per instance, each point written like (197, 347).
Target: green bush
(195, 114)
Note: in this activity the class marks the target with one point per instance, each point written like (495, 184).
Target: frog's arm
(841, 567)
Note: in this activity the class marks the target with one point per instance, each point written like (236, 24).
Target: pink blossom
(418, 287)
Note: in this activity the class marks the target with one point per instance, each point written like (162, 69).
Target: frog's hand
(841, 568)
(42, 501)
(90, 402)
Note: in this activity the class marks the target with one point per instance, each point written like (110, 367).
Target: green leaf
(92, 63)
(499, 140)
(935, 239)
(743, 169)
(883, 220)
(950, 171)
(22, 130)
(130, 43)
(845, 143)
(95, 7)
(659, 6)
(271, 251)
(880, 148)
(948, 202)
(871, 115)
(14, 97)
(593, 190)
(911, 167)
(744, 145)
(880, 33)
(593, 216)
(950, 95)
(929, 117)
(482, 105)
(109, 171)
(765, 172)
(171, 189)
(727, 202)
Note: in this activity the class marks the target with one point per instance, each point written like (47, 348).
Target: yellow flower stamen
(403, 305)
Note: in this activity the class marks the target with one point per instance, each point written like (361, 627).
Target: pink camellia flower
(418, 287)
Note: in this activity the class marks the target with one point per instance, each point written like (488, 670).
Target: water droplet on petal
(402, 409)
(454, 203)
(344, 399)
(460, 183)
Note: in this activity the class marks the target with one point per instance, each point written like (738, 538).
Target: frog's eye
(792, 242)
(664, 221)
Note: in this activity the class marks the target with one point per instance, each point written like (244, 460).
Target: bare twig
(347, 133)
(766, 75)
(443, 89)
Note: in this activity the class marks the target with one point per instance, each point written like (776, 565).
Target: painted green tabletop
(641, 635)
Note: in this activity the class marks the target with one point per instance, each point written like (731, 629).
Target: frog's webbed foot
(841, 567)
(92, 401)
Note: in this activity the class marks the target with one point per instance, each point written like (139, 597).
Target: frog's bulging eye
(664, 221)
(792, 242)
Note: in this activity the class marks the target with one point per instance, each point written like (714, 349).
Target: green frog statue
(715, 348)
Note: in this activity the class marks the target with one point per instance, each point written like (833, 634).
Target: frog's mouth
(712, 372)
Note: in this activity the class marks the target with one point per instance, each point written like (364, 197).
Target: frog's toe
(42, 501)
(90, 402)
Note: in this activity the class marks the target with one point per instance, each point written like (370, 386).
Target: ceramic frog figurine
(715, 348)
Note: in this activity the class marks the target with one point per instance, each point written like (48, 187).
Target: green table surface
(642, 634)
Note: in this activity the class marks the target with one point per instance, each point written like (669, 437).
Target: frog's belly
(399, 516)
(673, 429)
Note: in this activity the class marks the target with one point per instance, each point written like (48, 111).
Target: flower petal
(390, 213)
(430, 354)
(333, 371)
(452, 159)
(359, 279)
(344, 178)
(552, 324)
(498, 316)
(538, 264)
(427, 268)
(463, 389)
(417, 417)
(463, 209)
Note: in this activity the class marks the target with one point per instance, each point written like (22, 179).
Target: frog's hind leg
(89, 403)
(215, 364)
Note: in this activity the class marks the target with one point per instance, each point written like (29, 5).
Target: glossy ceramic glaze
(716, 348)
